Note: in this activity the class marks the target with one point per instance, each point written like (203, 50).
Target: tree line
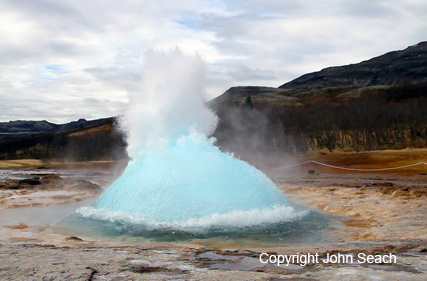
(392, 119)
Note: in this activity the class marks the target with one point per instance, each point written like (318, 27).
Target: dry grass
(23, 163)
(103, 127)
(369, 160)
(364, 160)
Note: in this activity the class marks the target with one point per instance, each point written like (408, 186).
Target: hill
(75, 141)
(384, 75)
(376, 104)
(29, 127)
(397, 68)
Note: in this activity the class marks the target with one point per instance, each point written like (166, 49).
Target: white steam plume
(169, 103)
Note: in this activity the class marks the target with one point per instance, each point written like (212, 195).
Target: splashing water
(177, 177)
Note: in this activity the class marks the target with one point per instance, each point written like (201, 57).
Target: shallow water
(40, 216)
(310, 228)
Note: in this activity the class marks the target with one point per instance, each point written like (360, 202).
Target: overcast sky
(69, 59)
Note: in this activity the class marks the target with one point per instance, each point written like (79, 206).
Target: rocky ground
(44, 190)
(380, 214)
(372, 206)
(49, 262)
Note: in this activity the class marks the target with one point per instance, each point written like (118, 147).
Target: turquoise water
(309, 227)
(178, 179)
(191, 185)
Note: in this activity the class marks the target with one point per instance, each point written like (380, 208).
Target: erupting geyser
(177, 178)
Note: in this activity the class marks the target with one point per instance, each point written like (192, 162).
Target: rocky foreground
(380, 214)
(49, 262)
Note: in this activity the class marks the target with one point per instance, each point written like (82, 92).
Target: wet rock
(74, 238)
(396, 267)
(92, 273)
(32, 181)
(293, 279)
(10, 186)
(144, 268)
(214, 256)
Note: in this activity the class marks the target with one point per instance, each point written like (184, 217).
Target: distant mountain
(396, 68)
(75, 141)
(387, 74)
(29, 127)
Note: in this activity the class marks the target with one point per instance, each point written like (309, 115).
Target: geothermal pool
(178, 185)
(309, 227)
(177, 178)
(289, 223)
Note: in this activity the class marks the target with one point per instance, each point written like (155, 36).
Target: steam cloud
(169, 103)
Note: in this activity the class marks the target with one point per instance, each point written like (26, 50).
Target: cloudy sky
(69, 59)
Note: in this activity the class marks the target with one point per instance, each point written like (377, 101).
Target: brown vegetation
(395, 118)
(98, 142)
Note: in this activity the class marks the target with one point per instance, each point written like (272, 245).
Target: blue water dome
(192, 183)
(178, 177)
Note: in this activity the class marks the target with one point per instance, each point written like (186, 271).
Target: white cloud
(64, 60)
